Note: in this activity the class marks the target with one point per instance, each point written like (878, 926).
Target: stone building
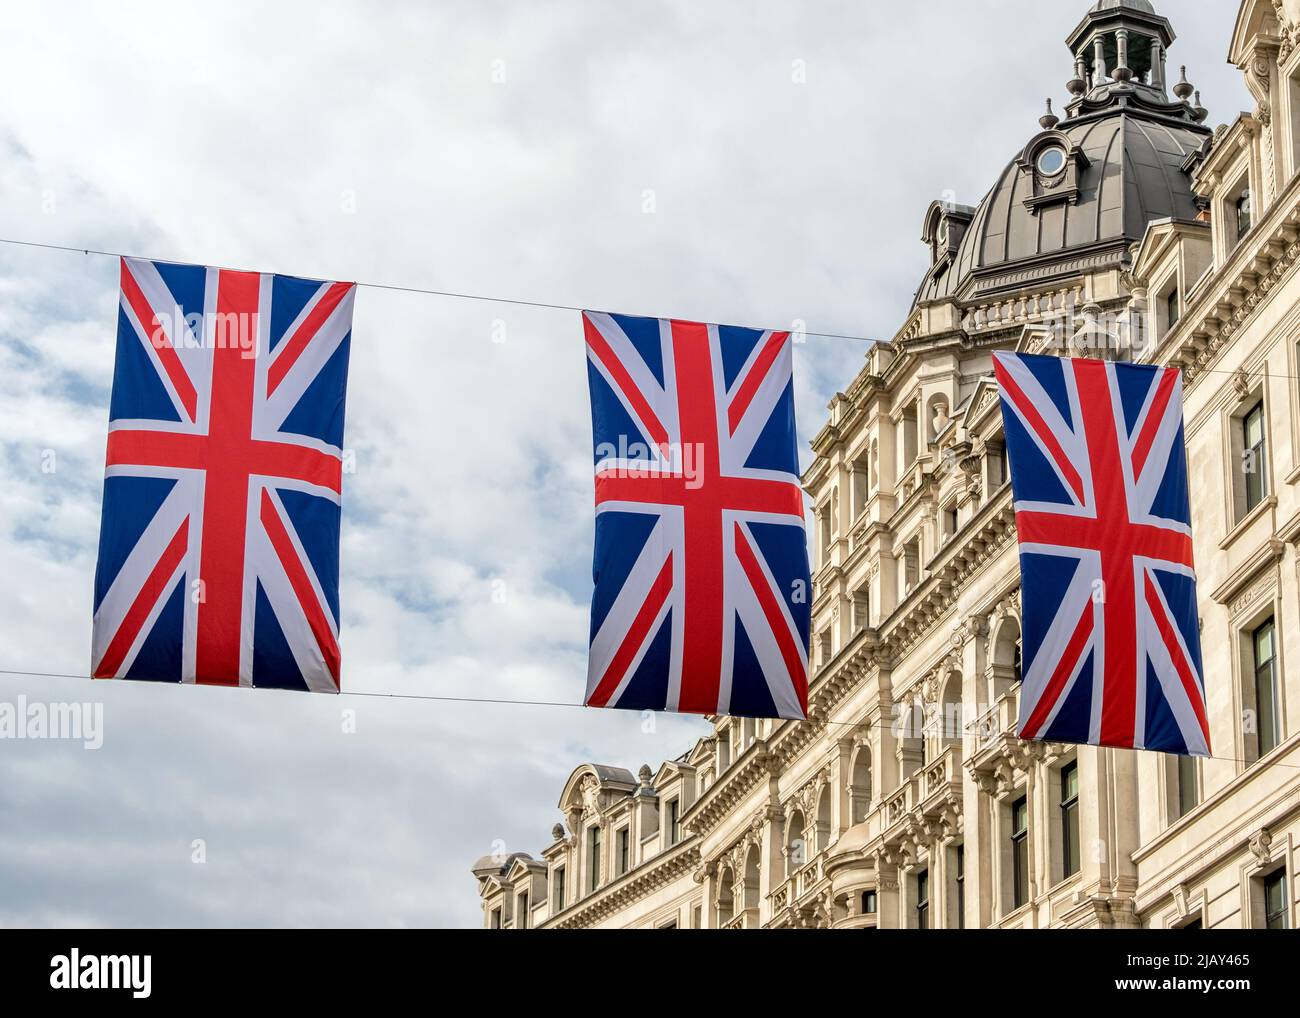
(1127, 228)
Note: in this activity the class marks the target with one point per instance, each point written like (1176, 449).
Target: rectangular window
(1019, 852)
(910, 430)
(1244, 213)
(1275, 917)
(825, 647)
(674, 821)
(1264, 651)
(593, 858)
(1188, 794)
(1254, 456)
(624, 847)
(697, 916)
(521, 910)
(861, 607)
(557, 890)
(911, 566)
(1070, 819)
(923, 900)
(495, 921)
(960, 865)
(1173, 309)
(868, 902)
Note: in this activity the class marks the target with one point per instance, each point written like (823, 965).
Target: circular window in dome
(1051, 161)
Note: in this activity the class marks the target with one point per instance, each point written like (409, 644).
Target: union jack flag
(701, 561)
(1111, 645)
(219, 542)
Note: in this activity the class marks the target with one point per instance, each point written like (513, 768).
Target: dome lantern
(1120, 49)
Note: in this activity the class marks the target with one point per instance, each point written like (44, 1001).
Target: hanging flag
(701, 561)
(219, 543)
(1111, 650)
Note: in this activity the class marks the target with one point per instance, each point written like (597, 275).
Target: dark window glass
(1243, 214)
(1016, 664)
(623, 848)
(1019, 852)
(1254, 465)
(1172, 308)
(593, 858)
(521, 906)
(1275, 917)
(1070, 819)
(1188, 796)
(868, 902)
(674, 821)
(960, 865)
(557, 893)
(1264, 642)
(923, 900)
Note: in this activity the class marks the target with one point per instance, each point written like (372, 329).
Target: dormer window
(1054, 163)
(1242, 207)
(1051, 161)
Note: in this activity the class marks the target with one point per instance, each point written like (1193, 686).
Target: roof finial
(1077, 85)
(1184, 88)
(1049, 119)
(1199, 112)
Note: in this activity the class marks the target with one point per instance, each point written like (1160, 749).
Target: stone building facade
(1127, 228)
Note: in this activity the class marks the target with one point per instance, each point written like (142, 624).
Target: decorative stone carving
(1261, 844)
(589, 789)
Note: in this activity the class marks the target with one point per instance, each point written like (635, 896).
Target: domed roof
(1131, 173)
(490, 865)
(1144, 5)
(1133, 5)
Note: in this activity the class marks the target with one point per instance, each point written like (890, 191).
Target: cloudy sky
(747, 162)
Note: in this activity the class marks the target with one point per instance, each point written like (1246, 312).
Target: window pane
(1265, 688)
(1069, 819)
(961, 887)
(1275, 917)
(1254, 425)
(1188, 796)
(1019, 853)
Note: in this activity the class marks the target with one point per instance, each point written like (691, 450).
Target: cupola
(1120, 57)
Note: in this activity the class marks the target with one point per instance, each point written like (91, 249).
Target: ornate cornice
(625, 891)
(1255, 269)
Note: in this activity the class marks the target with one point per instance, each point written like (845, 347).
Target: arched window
(796, 852)
(824, 825)
(751, 885)
(1006, 657)
(951, 721)
(726, 901)
(860, 785)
